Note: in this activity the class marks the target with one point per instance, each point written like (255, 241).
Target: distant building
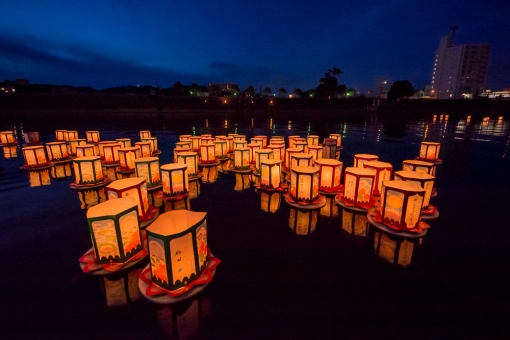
(222, 89)
(459, 71)
(21, 82)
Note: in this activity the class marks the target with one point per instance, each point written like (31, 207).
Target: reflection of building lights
(226, 123)
(270, 123)
(207, 123)
(225, 101)
(468, 120)
(252, 122)
(271, 102)
(500, 119)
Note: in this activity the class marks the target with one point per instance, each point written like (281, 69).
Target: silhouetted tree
(299, 92)
(177, 88)
(401, 88)
(194, 89)
(235, 89)
(282, 92)
(250, 89)
(267, 91)
(328, 85)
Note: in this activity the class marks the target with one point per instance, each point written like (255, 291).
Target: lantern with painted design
(179, 150)
(145, 134)
(312, 140)
(278, 151)
(314, 150)
(148, 168)
(429, 151)
(35, 156)
(175, 179)
(259, 141)
(127, 157)
(300, 159)
(111, 153)
(134, 187)
(7, 137)
(154, 143)
(145, 148)
(304, 184)
(361, 158)
(253, 147)
(71, 134)
(88, 170)
(288, 153)
(383, 172)
(260, 155)
(419, 166)
(330, 174)
(100, 146)
(220, 148)
(177, 242)
(57, 151)
(189, 158)
(359, 187)
(329, 148)
(337, 137)
(401, 204)
(207, 154)
(85, 150)
(60, 135)
(195, 143)
(115, 230)
(355, 222)
(92, 136)
(424, 180)
(242, 159)
(31, 137)
(125, 142)
(73, 143)
(270, 173)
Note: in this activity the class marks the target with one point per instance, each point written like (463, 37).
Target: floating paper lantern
(419, 166)
(359, 186)
(329, 148)
(101, 144)
(288, 153)
(57, 151)
(239, 138)
(60, 135)
(145, 148)
(220, 148)
(177, 151)
(207, 154)
(240, 145)
(231, 135)
(395, 250)
(73, 143)
(314, 150)
(259, 141)
(88, 170)
(270, 173)
(61, 170)
(303, 222)
(312, 140)
(291, 140)
(7, 137)
(253, 147)
(31, 137)
(183, 138)
(401, 204)
(354, 222)
(270, 201)
(196, 141)
(84, 150)
(300, 144)
(361, 158)
(277, 138)
(125, 142)
(219, 137)
(115, 230)
(337, 137)
(424, 180)
(177, 242)
(304, 184)
(300, 159)
(148, 168)
(183, 145)
(189, 158)
(260, 155)
(242, 159)
(111, 153)
(154, 143)
(429, 150)
(264, 140)
(230, 144)
(39, 178)
(71, 134)
(175, 179)
(134, 187)
(383, 172)
(34, 156)
(92, 136)
(330, 174)
(207, 140)
(278, 151)
(127, 157)
(145, 134)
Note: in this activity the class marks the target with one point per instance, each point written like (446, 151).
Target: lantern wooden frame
(183, 138)
(300, 159)
(207, 140)
(240, 145)
(86, 150)
(148, 168)
(145, 134)
(195, 142)
(101, 144)
(258, 140)
(253, 147)
(220, 148)
(291, 140)
(264, 140)
(207, 153)
(383, 172)
(88, 170)
(134, 187)
(71, 134)
(240, 138)
(304, 184)
(174, 178)
(289, 152)
(315, 150)
(359, 186)
(7, 137)
(111, 153)
(329, 148)
(401, 204)
(337, 137)
(154, 143)
(300, 144)
(278, 151)
(60, 135)
(178, 151)
(145, 148)
(312, 140)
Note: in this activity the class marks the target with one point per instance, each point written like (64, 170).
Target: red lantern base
(409, 233)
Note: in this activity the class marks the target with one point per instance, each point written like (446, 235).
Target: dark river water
(272, 283)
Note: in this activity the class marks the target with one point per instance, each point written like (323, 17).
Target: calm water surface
(273, 283)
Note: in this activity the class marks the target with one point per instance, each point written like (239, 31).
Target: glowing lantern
(419, 166)
(145, 134)
(278, 151)
(230, 143)
(259, 141)
(361, 158)
(358, 186)
(260, 155)
(154, 143)
(125, 142)
(60, 135)
(312, 140)
(304, 184)
(424, 180)
(191, 161)
(329, 148)
(264, 140)
(337, 137)
(330, 174)
(270, 201)
(88, 170)
(134, 187)
(183, 145)
(145, 148)
(206, 135)
(354, 222)
(127, 157)
(207, 154)
(220, 149)
(270, 173)
(239, 138)
(148, 168)
(183, 138)
(115, 230)
(34, 156)
(291, 140)
(84, 150)
(314, 150)
(39, 178)
(7, 137)
(177, 151)
(100, 146)
(300, 143)
(219, 137)
(383, 172)
(429, 150)
(196, 141)
(242, 159)
(300, 159)
(330, 210)
(395, 250)
(31, 137)
(240, 145)
(111, 153)
(175, 179)
(401, 204)
(73, 143)
(61, 170)
(253, 147)
(71, 134)
(177, 243)
(57, 151)
(303, 222)
(231, 135)
(207, 140)
(288, 153)
(92, 136)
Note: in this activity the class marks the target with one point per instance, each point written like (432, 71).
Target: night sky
(286, 44)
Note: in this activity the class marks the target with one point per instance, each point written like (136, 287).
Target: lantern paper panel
(207, 153)
(304, 184)
(383, 172)
(86, 150)
(177, 242)
(148, 168)
(278, 151)
(361, 158)
(270, 201)
(92, 136)
(31, 137)
(260, 155)
(134, 187)
(401, 204)
(60, 135)
(288, 153)
(355, 223)
(300, 159)
(196, 141)
(395, 250)
(429, 150)
(71, 134)
(191, 160)
(291, 140)
(115, 230)
(145, 148)
(207, 140)
(206, 135)
(88, 170)
(270, 173)
(73, 143)
(239, 138)
(111, 153)
(125, 142)
(179, 150)
(358, 186)
(312, 140)
(145, 134)
(419, 166)
(220, 148)
(174, 179)
(219, 138)
(101, 144)
(153, 142)
(330, 172)
(422, 179)
(127, 157)
(34, 156)
(298, 144)
(264, 140)
(57, 151)
(183, 138)
(303, 222)
(240, 145)
(259, 141)
(242, 159)
(253, 147)
(230, 143)
(314, 150)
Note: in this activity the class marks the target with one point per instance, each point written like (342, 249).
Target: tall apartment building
(459, 71)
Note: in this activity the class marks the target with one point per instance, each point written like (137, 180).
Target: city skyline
(287, 44)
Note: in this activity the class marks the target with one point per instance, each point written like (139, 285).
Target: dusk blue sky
(286, 44)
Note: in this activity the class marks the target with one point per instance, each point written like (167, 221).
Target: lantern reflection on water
(61, 171)
(270, 200)
(394, 249)
(355, 222)
(37, 178)
(303, 222)
(31, 137)
(10, 151)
